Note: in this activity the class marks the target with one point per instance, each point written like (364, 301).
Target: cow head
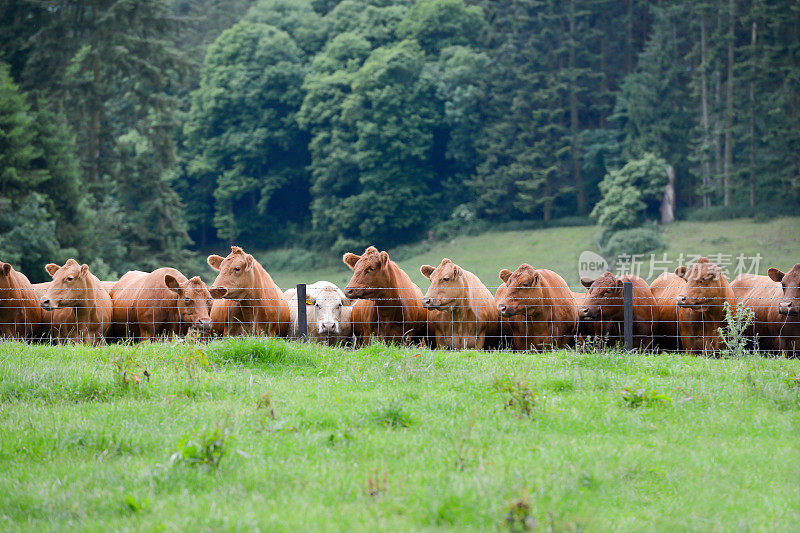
(330, 305)
(448, 287)
(370, 274)
(69, 288)
(237, 274)
(603, 299)
(790, 282)
(193, 300)
(705, 285)
(523, 294)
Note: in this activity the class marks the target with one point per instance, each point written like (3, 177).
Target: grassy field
(393, 439)
(559, 248)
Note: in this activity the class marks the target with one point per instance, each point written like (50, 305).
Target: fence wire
(694, 320)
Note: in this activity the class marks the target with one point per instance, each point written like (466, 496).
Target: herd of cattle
(533, 309)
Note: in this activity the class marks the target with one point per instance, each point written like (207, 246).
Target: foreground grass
(394, 439)
(559, 248)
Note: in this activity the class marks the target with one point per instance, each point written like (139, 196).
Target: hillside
(559, 248)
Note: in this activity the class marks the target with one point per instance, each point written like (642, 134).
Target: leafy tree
(242, 134)
(631, 193)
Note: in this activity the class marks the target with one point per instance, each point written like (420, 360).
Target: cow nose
(45, 302)
(783, 307)
(502, 308)
(328, 327)
(681, 299)
(349, 292)
(426, 302)
(204, 323)
(584, 311)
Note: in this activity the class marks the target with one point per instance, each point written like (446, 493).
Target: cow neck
(87, 313)
(257, 300)
(390, 306)
(465, 313)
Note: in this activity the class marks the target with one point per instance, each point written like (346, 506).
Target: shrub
(642, 396)
(518, 393)
(206, 449)
(734, 340)
(632, 241)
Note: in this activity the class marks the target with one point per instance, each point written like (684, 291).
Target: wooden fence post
(302, 319)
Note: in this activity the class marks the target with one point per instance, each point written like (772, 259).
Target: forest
(135, 133)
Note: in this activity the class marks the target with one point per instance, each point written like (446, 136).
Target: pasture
(254, 433)
(559, 248)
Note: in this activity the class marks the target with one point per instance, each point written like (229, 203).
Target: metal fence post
(627, 298)
(302, 320)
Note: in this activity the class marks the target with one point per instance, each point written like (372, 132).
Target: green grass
(393, 439)
(559, 248)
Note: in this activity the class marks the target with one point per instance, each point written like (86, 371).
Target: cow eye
(237, 269)
(187, 300)
(70, 278)
(317, 306)
(526, 284)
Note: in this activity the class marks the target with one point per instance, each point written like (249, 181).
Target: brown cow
(763, 296)
(262, 306)
(789, 308)
(161, 302)
(604, 303)
(20, 312)
(543, 298)
(226, 318)
(665, 289)
(468, 315)
(397, 314)
(701, 303)
(74, 286)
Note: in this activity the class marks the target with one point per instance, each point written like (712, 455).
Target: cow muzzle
(326, 328)
(587, 313)
(506, 310)
(46, 303)
(786, 308)
(203, 323)
(352, 292)
(430, 303)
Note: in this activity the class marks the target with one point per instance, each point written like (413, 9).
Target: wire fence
(696, 320)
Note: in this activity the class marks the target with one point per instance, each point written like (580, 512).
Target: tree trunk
(574, 121)
(94, 128)
(752, 125)
(705, 163)
(668, 200)
(728, 169)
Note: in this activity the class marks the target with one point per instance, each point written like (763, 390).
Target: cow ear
(505, 274)
(52, 268)
(347, 302)
(426, 270)
(351, 260)
(310, 299)
(384, 259)
(214, 261)
(457, 272)
(248, 262)
(587, 282)
(775, 274)
(536, 278)
(172, 284)
(681, 271)
(84, 270)
(218, 292)
(5, 268)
